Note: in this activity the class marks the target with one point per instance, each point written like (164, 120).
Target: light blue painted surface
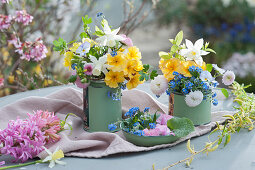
(239, 154)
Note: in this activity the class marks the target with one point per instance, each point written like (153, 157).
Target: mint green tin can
(99, 108)
(199, 115)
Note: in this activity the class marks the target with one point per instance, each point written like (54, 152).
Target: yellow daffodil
(117, 63)
(134, 53)
(54, 157)
(75, 46)
(170, 66)
(67, 59)
(134, 82)
(113, 78)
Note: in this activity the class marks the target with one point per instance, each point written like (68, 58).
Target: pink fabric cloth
(80, 143)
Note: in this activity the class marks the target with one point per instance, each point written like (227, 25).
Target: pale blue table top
(239, 154)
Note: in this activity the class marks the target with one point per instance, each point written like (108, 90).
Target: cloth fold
(80, 143)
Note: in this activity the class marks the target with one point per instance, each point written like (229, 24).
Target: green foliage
(180, 126)
(64, 122)
(178, 38)
(72, 78)
(209, 67)
(225, 92)
(59, 45)
(147, 73)
(86, 21)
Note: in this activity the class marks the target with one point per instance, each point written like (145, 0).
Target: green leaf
(83, 35)
(86, 20)
(59, 45)
(209, 67)
(146, 67)
(227, 139)
(164, 55)
(153, 74)
(104, 22)
(174, 48)
(180, 126)
(210, 50)
(178, 38)
(98, 32)
(225, 92)
(72, 78)
(172, 41)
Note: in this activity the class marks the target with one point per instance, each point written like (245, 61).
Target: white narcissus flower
(54, 157)
(194, 52)
(194, 98)
(206, 76)
(220, 70)
(228, 78)
(99, 65)
(110, 37)
(159, 85)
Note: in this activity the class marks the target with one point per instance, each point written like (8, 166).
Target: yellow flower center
(193, 53)
(57, 155)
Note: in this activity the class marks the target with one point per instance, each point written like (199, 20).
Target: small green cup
(199, 115)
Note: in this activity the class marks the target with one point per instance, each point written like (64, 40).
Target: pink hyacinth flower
(2, 163)
(89, 69)
(127, 40)
(80, 84)
(162, 120)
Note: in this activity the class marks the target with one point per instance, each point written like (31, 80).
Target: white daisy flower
(54, 157)
(206, 76)
(194, 52)
(228, 78)
(193, 99)
(220, 70)
(159, 85)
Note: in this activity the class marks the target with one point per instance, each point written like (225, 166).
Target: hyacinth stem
(21, 165)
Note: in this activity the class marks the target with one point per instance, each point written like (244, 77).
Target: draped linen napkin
(80, 143)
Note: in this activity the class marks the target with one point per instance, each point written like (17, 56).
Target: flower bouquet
(188, 80)
(145, 129)
(104, 65)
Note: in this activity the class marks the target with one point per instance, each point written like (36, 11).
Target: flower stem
(21, 165)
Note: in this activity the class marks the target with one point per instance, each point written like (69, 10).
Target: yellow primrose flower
(113, 78)
(117, 63)
(170, 66)
(134, 82)
(133, 53)
(47, 82)
(75, 46)
(185, 69)
(67, 59)
(92, 42)
(132, 67)
(54, 157)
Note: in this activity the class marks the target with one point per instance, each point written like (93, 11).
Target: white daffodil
(99, 65)
(110, 37)
(194, 52)
(206, 76)
(193, 99)
(54, 157)
(220, 70)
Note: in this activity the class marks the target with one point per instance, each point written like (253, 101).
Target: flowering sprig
(242, 119)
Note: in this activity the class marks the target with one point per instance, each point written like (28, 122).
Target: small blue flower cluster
(139, 133)
(123, 86)
(114, 96)
(146, 109)
(152, 125)
(132, 111)
(114, 53)
(184, 85)
(99, 14)
(112, 127)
